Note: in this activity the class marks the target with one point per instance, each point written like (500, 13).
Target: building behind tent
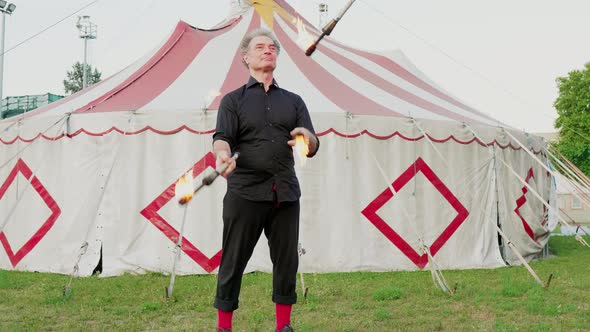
(570, 202)
(568, 198)
(12, 106)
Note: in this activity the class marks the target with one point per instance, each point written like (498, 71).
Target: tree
(573, 121)
(73, 82)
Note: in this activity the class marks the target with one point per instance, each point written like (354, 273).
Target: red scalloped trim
(414, 139)
(32, 139)
(144, 129)
(211, 131)
(108, 131)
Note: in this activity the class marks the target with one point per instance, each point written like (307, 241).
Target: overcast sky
(500, 56)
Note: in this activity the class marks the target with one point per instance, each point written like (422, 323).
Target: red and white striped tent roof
(193, 68)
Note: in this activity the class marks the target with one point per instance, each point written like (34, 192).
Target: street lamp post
(5, 8)
(87, 30)
(323, 8)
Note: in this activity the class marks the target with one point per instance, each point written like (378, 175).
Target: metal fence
(12, 106)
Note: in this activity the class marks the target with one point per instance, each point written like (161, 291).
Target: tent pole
(347, 141)
(520, 258)
(437, 275)
(435, 270)
(301, 252)
(569, 170)
(580, 182)
(84, 246)
(503, 241)
(505, 237)
(177, 253)
(532, 190)
(574, 167)
(530, 153)
(542, 164)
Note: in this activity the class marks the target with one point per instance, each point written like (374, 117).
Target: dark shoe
(286, 328)
(223, 330)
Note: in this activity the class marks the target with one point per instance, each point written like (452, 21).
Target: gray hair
(257, 33)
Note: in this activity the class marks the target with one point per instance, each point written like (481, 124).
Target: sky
(501, 57)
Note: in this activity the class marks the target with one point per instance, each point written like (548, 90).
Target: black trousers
(243, 223)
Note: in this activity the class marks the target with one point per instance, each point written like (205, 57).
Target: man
(260, 120)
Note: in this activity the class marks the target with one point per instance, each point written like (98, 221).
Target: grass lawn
(505, 299)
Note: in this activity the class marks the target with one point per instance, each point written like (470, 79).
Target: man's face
(262, 54)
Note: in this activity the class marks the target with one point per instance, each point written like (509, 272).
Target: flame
(184, 188)
(211, 96)
(301, 148)
(304, 38)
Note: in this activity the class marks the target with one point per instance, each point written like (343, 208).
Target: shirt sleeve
(304, 120)
(226, 128)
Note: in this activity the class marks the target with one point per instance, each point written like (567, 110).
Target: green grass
(505, 299)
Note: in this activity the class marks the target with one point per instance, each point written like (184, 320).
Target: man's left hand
(309, 138)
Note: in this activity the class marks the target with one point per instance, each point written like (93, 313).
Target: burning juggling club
(327, 29)
(207, 180)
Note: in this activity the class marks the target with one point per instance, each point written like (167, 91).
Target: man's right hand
(222, 155)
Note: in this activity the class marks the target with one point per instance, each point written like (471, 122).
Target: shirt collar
(252, 81)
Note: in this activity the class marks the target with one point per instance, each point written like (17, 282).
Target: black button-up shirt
(257, 123)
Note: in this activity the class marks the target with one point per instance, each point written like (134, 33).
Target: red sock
(224, 319)
(283, 315)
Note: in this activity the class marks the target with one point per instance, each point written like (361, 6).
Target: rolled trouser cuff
(282, 299)
(224, 305)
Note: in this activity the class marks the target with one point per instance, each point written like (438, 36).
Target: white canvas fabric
(403, 165)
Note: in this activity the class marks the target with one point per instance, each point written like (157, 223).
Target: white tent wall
(347, 179)
(147, 217)
(50, 217)
(522, 215)
(337, 185)
(116, 190)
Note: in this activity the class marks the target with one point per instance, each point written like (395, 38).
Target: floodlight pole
(323, 11)
(2, 53)
(7, 8)
(84, 71)
(87, 31)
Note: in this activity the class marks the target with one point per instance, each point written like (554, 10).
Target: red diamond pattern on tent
(521, 201)
(150, 212)
(31, 243)
(370, 212)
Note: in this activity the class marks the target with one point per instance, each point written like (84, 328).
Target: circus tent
(407, 173)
